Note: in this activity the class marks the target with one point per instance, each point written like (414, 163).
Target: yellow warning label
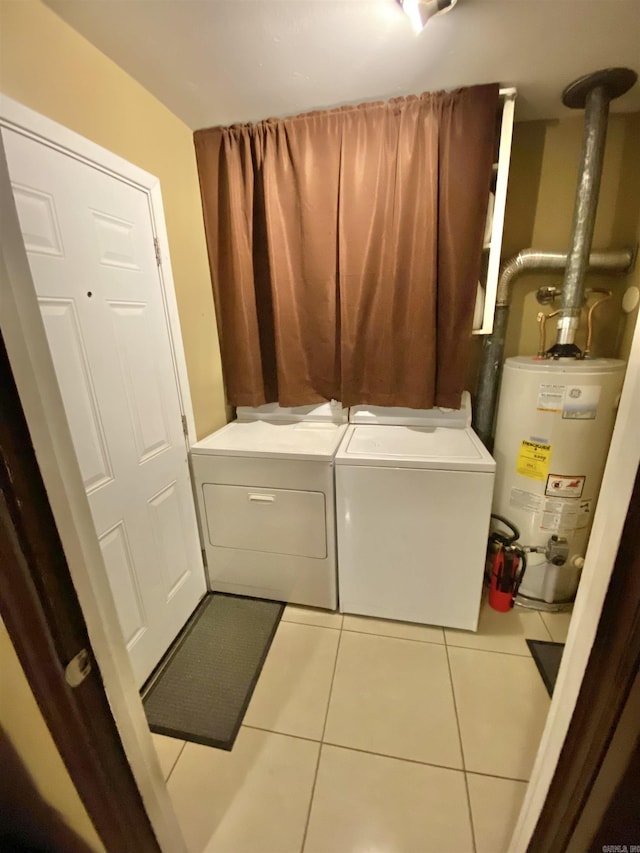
(533, 460)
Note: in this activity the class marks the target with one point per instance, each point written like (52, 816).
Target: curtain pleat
(301, 192)
(345, 249)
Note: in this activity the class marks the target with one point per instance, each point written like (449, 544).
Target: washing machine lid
(435, 448)
(313, 440)
(452, 418)
(329, 412)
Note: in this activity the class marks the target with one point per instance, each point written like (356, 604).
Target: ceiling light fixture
(419, 11)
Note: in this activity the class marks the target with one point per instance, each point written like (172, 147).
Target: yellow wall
(542, 185)
(627, 222)
(49, 67)
(23, 723)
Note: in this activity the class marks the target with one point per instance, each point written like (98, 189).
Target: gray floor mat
(201, 689)
(547, 657)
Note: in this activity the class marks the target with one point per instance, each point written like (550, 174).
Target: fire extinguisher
(506, 565)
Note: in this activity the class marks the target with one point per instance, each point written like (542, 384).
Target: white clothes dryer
(265, 494)
(413, 503)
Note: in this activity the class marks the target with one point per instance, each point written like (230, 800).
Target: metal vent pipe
(593, 93)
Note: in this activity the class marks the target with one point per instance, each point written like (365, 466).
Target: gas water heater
(557, 409)
(554, 426)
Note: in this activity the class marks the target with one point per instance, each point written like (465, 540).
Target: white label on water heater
(576, 402)
(526, 500)
(560, 515)
(550, 397)
(581, 402)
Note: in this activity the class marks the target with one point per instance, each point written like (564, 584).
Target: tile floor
(366, 735)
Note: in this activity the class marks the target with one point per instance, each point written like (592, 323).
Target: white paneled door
(90, 245)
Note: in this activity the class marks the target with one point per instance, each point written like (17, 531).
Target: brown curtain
(345, 247)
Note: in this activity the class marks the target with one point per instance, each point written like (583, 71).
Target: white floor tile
(254, 799)
(369, 803)
(312, 616)
(293, 689)
(502, 707)
(394, 697)
(385, 628)
(501, 632)
(168, 749)
(557, 625)
(495, 806)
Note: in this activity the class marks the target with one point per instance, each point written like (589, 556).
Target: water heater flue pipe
(592, 93)
(617, 261)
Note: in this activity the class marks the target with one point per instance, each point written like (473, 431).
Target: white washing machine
(413, 502)
(266, 501)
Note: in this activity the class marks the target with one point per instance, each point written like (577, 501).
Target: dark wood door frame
(601, 720)
(612, 815)
(41, 612)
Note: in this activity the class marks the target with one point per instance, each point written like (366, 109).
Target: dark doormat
(547, 657)
(201, 689)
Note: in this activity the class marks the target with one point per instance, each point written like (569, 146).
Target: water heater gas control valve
(557, 552)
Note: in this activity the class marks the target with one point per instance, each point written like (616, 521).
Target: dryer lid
(452, 418)
(329, 412)
(310, 440)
